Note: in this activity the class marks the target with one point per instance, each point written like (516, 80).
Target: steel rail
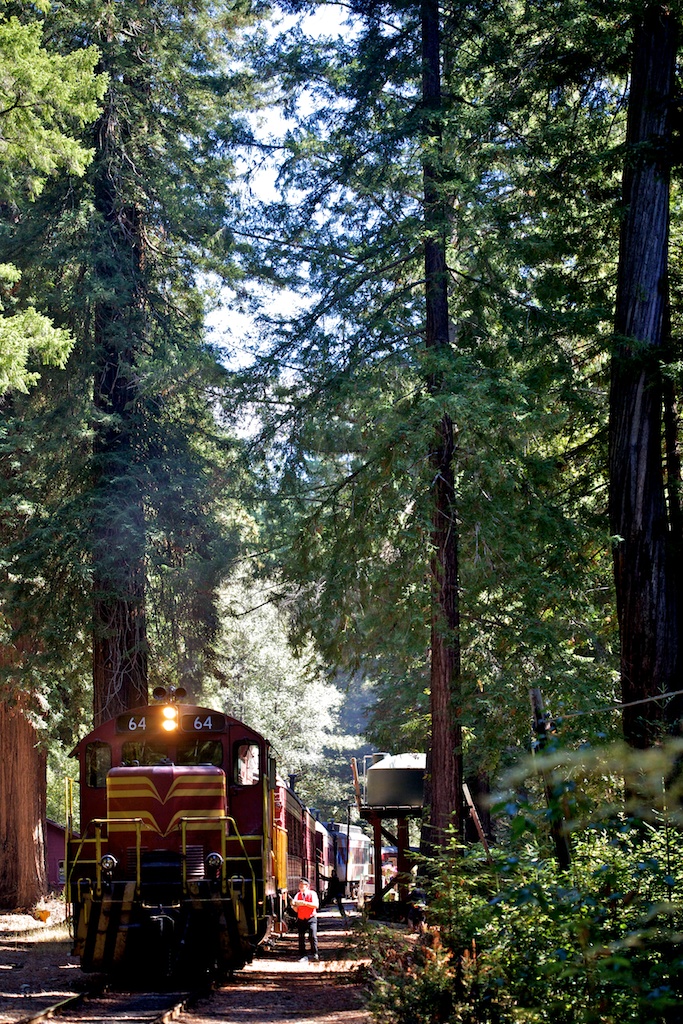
(156, 1015)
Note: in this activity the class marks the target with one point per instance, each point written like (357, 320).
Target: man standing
(306, 904)
(335, 891)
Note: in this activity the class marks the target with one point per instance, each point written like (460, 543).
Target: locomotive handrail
(251, 867)
(99, 824)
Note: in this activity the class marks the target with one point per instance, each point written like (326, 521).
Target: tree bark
(119, 619)
(23, 783)
(445, 755)
(646, 551)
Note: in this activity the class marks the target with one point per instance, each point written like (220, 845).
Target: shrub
(521, 941)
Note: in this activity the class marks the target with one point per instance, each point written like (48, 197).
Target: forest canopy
(433, 432)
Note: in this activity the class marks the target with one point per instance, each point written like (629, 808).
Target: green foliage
(119, 468)
(60, 768)
(412, 984)
(287, 698)
(26, 334)
(532, 124)
(45, 99)
(517, 940)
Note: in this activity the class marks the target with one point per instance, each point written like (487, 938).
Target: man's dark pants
(309, 927)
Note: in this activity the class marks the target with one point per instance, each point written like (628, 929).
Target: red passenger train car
(176, 865)
(300, 827)
(310, 847)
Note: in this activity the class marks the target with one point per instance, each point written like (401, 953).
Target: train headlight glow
(170, 718)
(108, 862)
(214, 861)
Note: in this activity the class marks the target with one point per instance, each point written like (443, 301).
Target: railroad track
(140, 1007)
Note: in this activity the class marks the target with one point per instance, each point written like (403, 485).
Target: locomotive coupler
(163, 921)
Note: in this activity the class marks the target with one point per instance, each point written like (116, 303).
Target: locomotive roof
(107, 730)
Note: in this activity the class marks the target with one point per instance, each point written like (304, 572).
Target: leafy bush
(518, 940)
(412, 983)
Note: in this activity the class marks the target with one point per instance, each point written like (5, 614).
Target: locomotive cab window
(97, 764)
(201, 752)
(247, 763)
(136, 752)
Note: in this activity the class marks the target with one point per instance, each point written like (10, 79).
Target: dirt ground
(37, 970)
(278, 988)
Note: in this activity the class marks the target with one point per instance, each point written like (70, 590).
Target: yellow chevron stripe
(132, 787)
(191, 794)
(175, 820)
(149, 822)
(135, 788)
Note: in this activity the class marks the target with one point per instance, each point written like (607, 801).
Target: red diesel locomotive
(188, 843)
(179, 861)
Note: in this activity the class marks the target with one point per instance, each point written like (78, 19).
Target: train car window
(201, 752)
(136, 752)
(247, 764)
(97, 764)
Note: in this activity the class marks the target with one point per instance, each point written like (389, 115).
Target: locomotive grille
(131, 860)
(195, 862)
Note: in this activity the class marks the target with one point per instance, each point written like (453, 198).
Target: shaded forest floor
(277, 987)
(36, 966)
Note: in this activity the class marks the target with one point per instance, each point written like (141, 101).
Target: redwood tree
(123, 258)
(647, 551)
(120, 313)
(45, 99)
(23, 873)
(445, 754)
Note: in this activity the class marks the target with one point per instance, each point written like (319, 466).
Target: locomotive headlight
(170, 718)
(108, 863)
(214, 861)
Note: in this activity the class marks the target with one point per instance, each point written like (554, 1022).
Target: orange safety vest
(303, 913)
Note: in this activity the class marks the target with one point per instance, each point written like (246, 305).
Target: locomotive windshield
(201, 752)
(147, 752)
(192, 752)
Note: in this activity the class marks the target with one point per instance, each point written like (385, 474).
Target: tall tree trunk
(23, 772)
(445, 760)
(119, 626)
(646, 553)
(23, 783)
